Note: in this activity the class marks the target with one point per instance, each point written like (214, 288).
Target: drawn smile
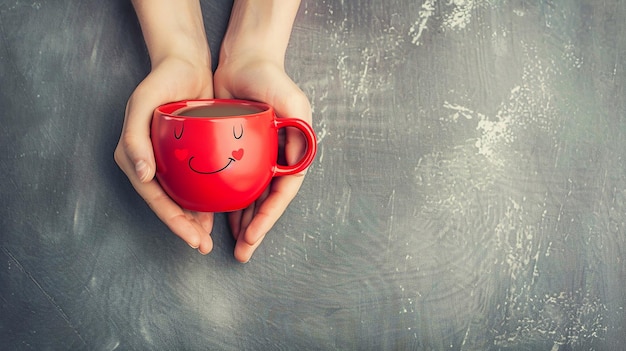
(230, 160)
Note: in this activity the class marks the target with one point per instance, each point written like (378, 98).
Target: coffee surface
(218, 111)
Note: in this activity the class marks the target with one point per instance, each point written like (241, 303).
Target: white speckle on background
(426, 12)
(456, 14)
(359, 71)
(461, 14)
(461, 111)
(492, 133)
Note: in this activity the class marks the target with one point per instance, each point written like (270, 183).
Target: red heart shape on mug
(237, 155)
(181, 154)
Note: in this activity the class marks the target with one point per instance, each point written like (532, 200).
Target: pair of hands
(175, 78)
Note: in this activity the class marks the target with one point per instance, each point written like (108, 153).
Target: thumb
(135, 137)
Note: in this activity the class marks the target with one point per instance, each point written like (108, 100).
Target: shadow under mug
(218, 155)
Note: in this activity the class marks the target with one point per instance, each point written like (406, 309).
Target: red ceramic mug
(218, 155)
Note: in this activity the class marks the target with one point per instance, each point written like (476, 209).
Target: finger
(295, 147)
(166, 209)
(206, 243)
(282, 191)
(135, 140)
(172, 215)
(205, 219)
(247, 215)
(240, 220)
(205, 222)
(196, 235)
(244, 251)
(234, 221)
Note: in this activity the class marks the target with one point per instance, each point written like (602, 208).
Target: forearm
(173, 27)
(259, 27)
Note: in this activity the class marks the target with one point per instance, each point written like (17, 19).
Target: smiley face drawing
(181, 154)
(214, 164)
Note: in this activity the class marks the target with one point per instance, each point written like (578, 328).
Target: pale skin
(251, 66)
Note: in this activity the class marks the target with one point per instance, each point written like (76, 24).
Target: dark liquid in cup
(217, 111)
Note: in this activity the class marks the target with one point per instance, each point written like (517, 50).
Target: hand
(254, 78)
(173, 78)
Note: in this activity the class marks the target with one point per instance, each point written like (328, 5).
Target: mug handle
(311, 146)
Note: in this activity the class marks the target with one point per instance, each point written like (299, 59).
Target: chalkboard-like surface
(469, 191)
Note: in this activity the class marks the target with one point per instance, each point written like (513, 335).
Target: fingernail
(141, 168)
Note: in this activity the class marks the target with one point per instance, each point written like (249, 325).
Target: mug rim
(172, 109)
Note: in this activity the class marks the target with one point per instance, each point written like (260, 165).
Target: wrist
(173, 28)
(188, 52)
(259, 28)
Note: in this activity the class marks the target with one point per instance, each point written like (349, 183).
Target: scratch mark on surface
(43, 291)
(391, 205)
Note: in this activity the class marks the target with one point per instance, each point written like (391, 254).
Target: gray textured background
(469, 191)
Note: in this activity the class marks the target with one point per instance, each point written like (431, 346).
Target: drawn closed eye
(235, 132)
(179, 135)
